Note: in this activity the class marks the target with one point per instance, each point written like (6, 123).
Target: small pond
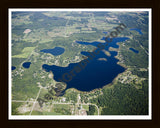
(13, 67)
(26, 64)
(134, 50)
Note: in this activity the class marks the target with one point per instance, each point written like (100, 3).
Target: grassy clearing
(86, 107)
(36, 113)
(43, 92)
(64, 109)
(25, 52)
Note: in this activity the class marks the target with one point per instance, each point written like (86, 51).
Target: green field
(25, 53)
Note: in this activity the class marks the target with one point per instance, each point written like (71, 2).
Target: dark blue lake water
(135, 51)
(13, 67)
(105, 32)
(95, 74)
(26, 64)
(138, 30)
(55, 51)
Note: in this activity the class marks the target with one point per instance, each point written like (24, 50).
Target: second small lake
(13, 67)
(55, 51)
(26, 64)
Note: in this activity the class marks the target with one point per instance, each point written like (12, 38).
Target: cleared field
(36, 113)
(86, 107)
(64, 109)
(25, 52)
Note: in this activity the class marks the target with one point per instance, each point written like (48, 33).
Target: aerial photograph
(79, 63)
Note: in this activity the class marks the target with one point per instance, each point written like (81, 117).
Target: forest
(123, 99)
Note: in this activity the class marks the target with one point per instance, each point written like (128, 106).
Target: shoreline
(110, 84)
(99, 89)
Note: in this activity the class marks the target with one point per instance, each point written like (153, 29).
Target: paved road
(35, 101)
(22, 101)
(142, 47)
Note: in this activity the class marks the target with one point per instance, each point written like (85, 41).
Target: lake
(26, 64)
(55, 51)
(96, 74)
(134, 50)
(13, 67)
